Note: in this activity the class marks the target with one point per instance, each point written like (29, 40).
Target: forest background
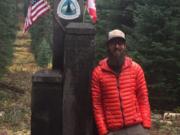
(153, 38)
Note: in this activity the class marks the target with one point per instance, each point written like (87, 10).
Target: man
(119, 92)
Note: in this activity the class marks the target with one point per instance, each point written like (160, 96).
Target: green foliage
(156, 41)
(42, 29)
(177, 109)
(12, 112)
(152, 30)
(13, 116)
(111, 15)
(8, 24)
(44, 53)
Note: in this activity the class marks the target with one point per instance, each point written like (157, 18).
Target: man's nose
(117, 45)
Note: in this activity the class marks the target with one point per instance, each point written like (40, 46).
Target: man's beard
(116, 61)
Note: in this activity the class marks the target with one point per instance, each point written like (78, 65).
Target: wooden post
(46, 103)
(79, 56)
(59, 33)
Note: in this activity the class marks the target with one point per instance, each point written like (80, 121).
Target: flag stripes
(36, 9)
(91, 8)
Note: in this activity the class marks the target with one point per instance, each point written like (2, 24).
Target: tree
(44, 53)
(157, 45)
(42, 29)
(8, 25)
(111, 15)
(152, 29)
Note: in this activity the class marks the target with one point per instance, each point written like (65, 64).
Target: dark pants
(133, 130)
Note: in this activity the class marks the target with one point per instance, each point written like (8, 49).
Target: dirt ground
(15, 88)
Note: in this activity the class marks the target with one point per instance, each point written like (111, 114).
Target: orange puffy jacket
(119, 100)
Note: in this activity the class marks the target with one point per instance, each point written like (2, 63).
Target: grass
(15, 113)
(15, 109)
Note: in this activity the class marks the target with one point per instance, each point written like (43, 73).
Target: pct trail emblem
(68, 9)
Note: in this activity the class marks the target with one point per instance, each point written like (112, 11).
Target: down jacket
(119, 100)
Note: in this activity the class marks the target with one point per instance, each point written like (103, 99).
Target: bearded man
(119, 92)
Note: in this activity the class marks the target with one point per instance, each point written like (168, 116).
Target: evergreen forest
(152, 30)
(153, 37)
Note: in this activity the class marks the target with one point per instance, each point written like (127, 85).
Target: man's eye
(116, 42)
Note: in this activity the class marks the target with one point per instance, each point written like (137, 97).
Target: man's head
(116, 34)
(116, 47)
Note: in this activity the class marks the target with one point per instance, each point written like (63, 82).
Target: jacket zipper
(121, 108)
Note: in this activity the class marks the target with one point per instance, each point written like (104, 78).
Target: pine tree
(42, 29)
(114, 14)
(8, 23)
(157, 45)
(44, 53)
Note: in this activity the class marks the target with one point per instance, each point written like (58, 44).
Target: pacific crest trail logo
(68, 9)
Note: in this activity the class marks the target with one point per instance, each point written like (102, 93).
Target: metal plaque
(68, 9)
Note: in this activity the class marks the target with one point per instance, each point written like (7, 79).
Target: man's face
(116, 48)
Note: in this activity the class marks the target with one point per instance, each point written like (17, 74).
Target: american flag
(36, 9)
(91, 8)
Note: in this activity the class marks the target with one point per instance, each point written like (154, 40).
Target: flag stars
(33, 1)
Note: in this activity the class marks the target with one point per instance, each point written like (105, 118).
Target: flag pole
(85, 8)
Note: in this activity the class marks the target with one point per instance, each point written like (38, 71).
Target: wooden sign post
(65, 12)
(61, 101)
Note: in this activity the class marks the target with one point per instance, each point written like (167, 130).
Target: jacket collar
(103, 64)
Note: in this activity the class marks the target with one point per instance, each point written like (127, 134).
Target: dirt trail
(23, 65)
(15, 89)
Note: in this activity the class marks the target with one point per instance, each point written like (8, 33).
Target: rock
(156, 116)
(167, 122)
(171, 116)
(2, 113)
